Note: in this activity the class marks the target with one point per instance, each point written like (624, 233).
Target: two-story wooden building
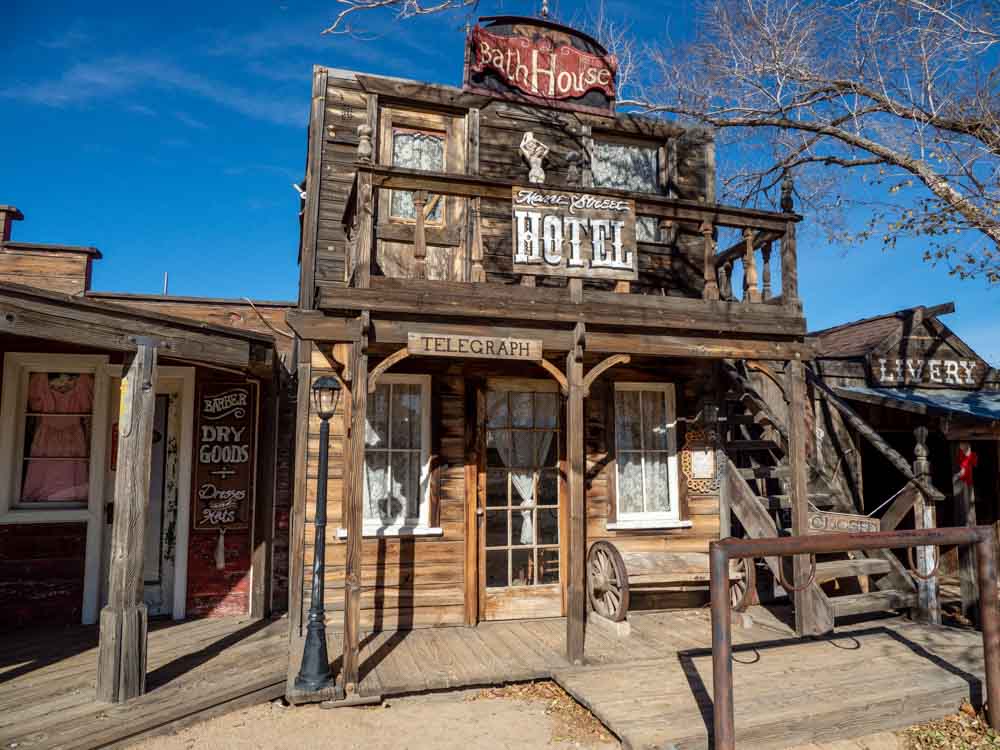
(533, 302)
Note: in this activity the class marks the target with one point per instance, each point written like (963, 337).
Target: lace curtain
(416, 150)
(393, 455)
(634, 168)
(641, 425)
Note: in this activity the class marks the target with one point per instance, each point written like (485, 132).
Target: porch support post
(121, 665)
(928, 603)
(807, 619)
(354, 497)
(965, 515)
(576, 605)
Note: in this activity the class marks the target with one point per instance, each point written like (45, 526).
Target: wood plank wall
(54, 270)
(666, 267)
(421, 582)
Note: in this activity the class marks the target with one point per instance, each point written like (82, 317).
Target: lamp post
(314, 674)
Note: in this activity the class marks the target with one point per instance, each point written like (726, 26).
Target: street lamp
(314, 674)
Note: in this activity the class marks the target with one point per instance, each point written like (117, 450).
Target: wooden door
(430, 141)
(521, 550)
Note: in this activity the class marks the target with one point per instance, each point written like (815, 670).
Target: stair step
(747, 419)
(865, 566)
(766, 472)
(877, 601)
(753, 445)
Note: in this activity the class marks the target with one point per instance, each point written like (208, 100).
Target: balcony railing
(764, 236)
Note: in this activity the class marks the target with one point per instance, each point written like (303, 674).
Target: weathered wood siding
(418, 582)
(671, 266)
(55, 270)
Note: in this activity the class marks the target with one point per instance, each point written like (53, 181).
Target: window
(629, 167)
(397, 450)
(646, 455)
(52, 439)
(417, 149)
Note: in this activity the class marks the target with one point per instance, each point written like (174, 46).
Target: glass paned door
(520, 535)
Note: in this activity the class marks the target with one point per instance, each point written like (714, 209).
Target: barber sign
(559, 233)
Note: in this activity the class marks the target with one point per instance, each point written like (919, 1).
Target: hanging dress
(61, 432)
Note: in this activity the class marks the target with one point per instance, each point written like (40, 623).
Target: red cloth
(966, 464)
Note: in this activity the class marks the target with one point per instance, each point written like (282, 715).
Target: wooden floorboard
(652, 688)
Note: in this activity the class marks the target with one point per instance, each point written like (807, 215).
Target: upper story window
(417, 149)
(625, 166)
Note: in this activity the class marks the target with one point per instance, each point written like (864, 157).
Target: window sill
(45, 515)
(642, 524)
(394, 531)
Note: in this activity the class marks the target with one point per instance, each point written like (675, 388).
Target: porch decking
(652, 688)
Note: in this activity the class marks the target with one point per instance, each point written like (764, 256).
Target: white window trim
(16, 365)
(644, 520)
(412, 527)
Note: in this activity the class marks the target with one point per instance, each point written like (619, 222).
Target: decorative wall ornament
(365, 149)
(534, 151)
(698, 461)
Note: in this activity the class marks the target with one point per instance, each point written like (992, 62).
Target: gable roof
(861, 337)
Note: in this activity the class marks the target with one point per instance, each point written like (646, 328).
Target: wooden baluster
(478, 273)
(419, 240)
(750, 280)
(766, 253)
(726, 280)
(789, 259)
(928, 603)
(711, 290)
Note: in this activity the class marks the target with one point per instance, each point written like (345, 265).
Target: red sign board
(539, 67)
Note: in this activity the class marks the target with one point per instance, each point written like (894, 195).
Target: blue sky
(169, 137)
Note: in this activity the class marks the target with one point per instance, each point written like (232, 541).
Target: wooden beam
(515, 303)
(317, 326)
(353, 513)
(556, 374)
(597, 370)
(810, 611)
(928, 558)
(384, 365)
(297, 525)
(576, 604)
(265, 484)
(121, 665)
(965, 515)
(314, 176)
(893, 456)
(105, 326)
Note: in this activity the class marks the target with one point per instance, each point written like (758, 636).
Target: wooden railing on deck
(760, 230)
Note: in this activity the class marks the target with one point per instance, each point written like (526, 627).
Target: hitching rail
(721, 552)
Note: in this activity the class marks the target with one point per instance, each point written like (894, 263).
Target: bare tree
(401, 9)
(886, 109)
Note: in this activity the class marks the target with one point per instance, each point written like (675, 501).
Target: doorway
(520, 501)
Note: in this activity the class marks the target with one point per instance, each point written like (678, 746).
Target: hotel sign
(477, 347)
(558, 233)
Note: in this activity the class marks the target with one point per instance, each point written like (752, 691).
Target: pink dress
(58, 437)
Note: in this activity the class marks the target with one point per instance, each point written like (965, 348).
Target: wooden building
(219, 478)
(535, 305)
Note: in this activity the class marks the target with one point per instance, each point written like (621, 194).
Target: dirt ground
(536, 715)
(518, 716)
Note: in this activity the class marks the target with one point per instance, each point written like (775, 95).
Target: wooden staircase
(756, 441)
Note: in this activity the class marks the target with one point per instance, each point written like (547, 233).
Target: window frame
(650, 519)
(660, 150)
(17, 367)
(422, 526)
(402, 127)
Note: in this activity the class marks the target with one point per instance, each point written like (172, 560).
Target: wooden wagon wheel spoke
(607, 584)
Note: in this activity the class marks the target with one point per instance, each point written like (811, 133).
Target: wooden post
(263, 513)
(965, 515)
(576, 606)
(711, 290)
(928, 603)
(419, 236)
(789, 253)
(766, 255)
(807, 619)
(354, 495)
(121, 665)
(750, 280)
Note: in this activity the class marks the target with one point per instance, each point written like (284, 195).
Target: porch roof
(980, 405)
(28, 311)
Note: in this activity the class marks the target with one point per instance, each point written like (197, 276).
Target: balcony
(746, 290)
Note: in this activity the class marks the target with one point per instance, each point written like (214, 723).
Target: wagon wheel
(607, 581)
(742, 587)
